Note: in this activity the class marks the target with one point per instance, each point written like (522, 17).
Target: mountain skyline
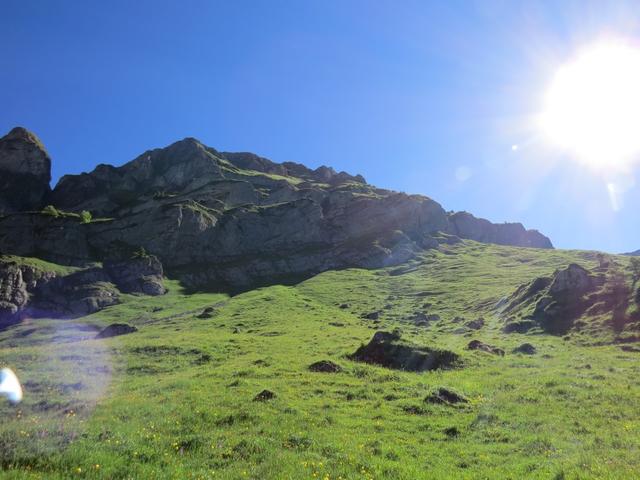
(424, 98)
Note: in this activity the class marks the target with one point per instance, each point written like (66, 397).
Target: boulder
(141, 274)
(264, 396)
(387, 350)
(325, 366)
(446, 397)
(526, 349)
(116, 329)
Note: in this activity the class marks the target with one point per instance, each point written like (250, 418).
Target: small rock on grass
(264, 396)
(115, 330)
(446, 397)
(478, 345)
(325, 366)
(476, 324)
(525, 348)
(451, 432)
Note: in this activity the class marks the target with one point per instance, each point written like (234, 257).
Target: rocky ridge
(233, 221)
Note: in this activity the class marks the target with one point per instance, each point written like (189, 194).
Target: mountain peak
(25, 171)
(21, 133)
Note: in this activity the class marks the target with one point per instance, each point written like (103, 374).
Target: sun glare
(592, 107)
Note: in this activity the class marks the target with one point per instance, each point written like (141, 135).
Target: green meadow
(175, 400)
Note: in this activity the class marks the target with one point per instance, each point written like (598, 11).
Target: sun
(592, 108)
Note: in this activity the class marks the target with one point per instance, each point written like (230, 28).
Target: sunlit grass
(175, 399)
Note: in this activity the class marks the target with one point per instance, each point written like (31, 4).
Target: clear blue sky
(423, 97)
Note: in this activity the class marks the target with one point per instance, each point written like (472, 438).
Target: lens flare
(10, 386)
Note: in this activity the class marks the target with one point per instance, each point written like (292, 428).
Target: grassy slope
(39, 264)
(174, 400)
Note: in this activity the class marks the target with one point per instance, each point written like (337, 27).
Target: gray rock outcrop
(233, 221)
(552, 303)
(27, 291)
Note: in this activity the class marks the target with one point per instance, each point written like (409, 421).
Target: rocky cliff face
(465, 225)
(25, 172)
(235, 220)
(16, 285)
(28, 291)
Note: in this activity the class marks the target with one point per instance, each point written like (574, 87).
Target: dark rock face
(75, 295)
(137, 275)
(483, 347)
(234, 221)
(58, 240)
(465, 225)
(115, 330)
(17, 286)
(26, 291)
(386, 349)
(25, 172)
(13, 291)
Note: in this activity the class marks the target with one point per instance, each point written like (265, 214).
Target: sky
(436, 98)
